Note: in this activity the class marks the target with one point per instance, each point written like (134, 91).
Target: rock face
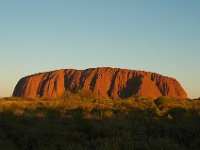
(103, 82)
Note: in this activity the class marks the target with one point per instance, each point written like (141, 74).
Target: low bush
(73, 123)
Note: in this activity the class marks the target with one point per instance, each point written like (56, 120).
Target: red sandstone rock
(103, 82)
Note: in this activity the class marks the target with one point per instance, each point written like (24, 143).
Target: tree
(66, 95)
(86, 94)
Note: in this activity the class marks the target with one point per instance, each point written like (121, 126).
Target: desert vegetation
(81, 121)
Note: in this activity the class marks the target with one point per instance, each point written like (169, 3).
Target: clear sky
(161, 36)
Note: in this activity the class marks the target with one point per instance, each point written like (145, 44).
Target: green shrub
(92, 123)
(86, 94)
(177, 112)
(67, 95)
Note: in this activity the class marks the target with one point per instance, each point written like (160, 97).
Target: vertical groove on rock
(112, 84)
(93, 82)
(42, 84)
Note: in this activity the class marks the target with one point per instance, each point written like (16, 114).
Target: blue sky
(158, 36)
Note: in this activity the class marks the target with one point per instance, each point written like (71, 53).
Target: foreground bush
(130, 124)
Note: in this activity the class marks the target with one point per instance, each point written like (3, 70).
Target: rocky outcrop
(103, 82)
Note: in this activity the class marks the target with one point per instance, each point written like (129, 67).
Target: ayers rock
(104, 82)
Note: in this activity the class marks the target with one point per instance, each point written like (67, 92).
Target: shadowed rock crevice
(68, 78)
(42, 85)
(112, 84)
(132, 87)
(93, 82)
(103, 82)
